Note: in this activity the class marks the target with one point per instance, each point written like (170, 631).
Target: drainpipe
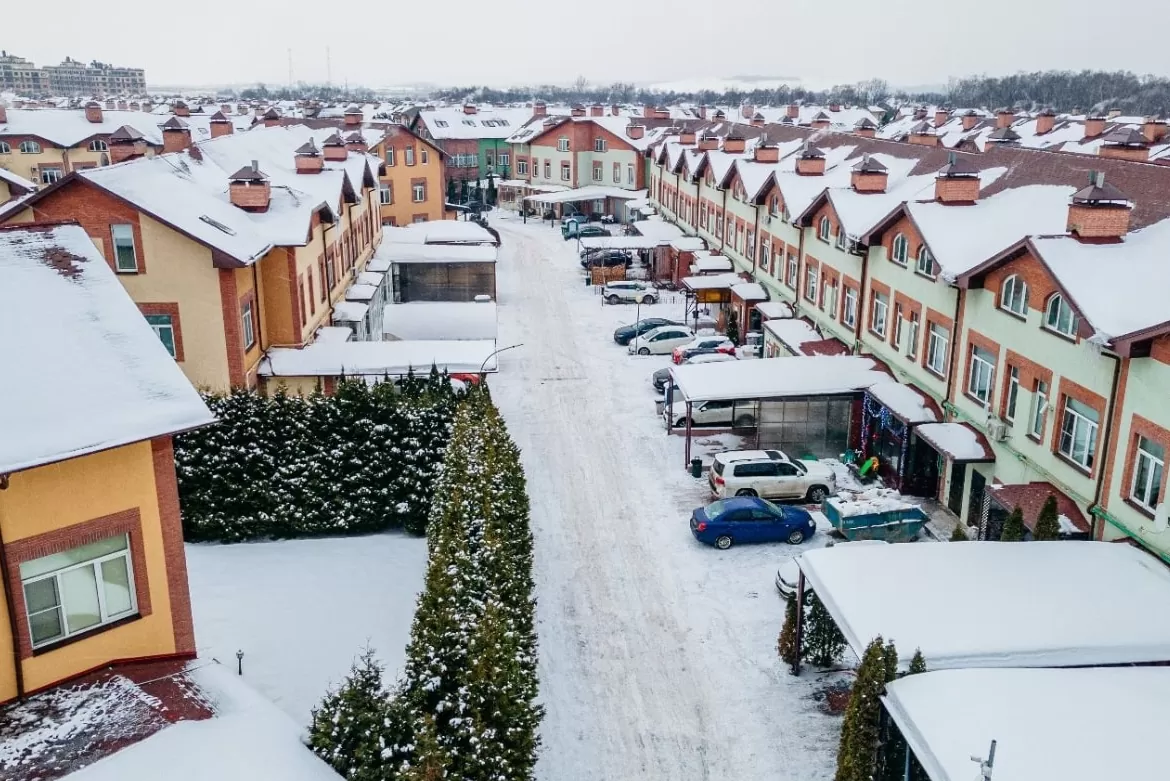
(677, 193)
(755, 239)
(1106, 437)
(723, 223)
(259, 316)
(17, 665)
(859, 314)
(954, 345)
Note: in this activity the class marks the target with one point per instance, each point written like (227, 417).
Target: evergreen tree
(823, 641)
(857, 755)
(1013, 527)
(452, 191)
(347, 727)
(733, 327)
(959, 534)
(786, 645)
(1047, 522)
(490, 193)
(430, 760)
(917, 663)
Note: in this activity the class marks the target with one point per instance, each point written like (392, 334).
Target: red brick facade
(96, 211)
(167, 489)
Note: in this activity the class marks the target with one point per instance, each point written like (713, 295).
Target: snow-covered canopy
(688, 244)
(905, 401)
(70, 326)
(436, 253)
(957, 441)
(591, 192)
(440, 320)
(777, 378)
(749, 291)
(1038, 720)
(658, 228)
(438, 232)
(622, 242)
(392, 358)
(906, 593)
(774, 310)
(711, 264)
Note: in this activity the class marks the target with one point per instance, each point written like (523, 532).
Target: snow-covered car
(716, 413)
(661, 377)
(770, 474)
(716, 342)
(661, 340)
(624, 290)
(788, 575)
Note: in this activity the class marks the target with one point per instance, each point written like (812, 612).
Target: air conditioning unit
(997, 430)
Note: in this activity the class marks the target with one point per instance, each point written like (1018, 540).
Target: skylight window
(440, 123)
(217, 224)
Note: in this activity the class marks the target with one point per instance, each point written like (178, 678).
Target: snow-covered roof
(440, 320)
(122, 384)
(622, 242)
(1038, 720)
(712, 281)
(248, 739)
(333, 334)
(590, 192)
(350, 311)
(378, 358)
(69, 127)
(360, 292)
(774, 310)
(872, 500)
(688, 244)
(437, 253)
(791, 332)
(15, 181)
(658, 228)
(957, 441)
(711, 264)
(914, 605)
(750, 291)
(776, 378)
(438, 232)
(905, 401)
(487, 122)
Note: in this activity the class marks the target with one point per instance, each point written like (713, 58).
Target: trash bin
(696, 467)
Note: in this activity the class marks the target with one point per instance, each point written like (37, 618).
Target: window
(390, 154)
(408, 155)
(774, 205)
(1013, 296)
(419, 218)
(385, 194)
(597, 172)
(1013, 394)
(502, 159)
(77, 590)
(881, 308)
(925, 262)
(830, 301)
(1039, 409)
(125, 258)
(97, 145)
(522, 168)
(420, 192)
(898, 326)
(849, 316)
(792, 264)
(810, 283)
(599, 145)
(899, 249)
(566, 172)
(563, 144)
(751, 245)
(30, 148)
(489, 157)
(617, 173)
(936, 349)
(249, 325)
(842, 239)
(440, 123)
(825, 228)
(50, 175)
(912, 336)
(982, 369)
(1078, 432)
(548, 169)
(629, 173)
(1147, 473)
(164, 329)
(1059, 317)
(425, 156)
(5, 148)
(765, 257)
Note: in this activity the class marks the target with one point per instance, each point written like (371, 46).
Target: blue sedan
(750, 519)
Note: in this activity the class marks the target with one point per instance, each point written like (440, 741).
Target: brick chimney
(834, 106)
(734, 143)
(226, 108)
(719, 115)
(3, 113)
(356, 142)
(957, 182)
(615, 110)
(662, 112)
(920, 114)
(865, 127)
(1099, 212)
(597, 110)
(869, 176)
(635, 131)
(820, 121)
(1045, 121)
(758, 120)
(354, 116)
(176, 135)
(1114, 113)
(122, 105)
(1125, 144)
(793, 111)
(335, 150)
(707, 143)
(249, 189)
(647, 112)
(1004, 117)
(687, 138)
(1002, 136)
(135, 105)
(1154, 129)
(810, 162)
(470, 108)
(941, 116)
(181, 109)
(271, 118)
(766, 151)
(703, 111)
(308, 159)
(747, 111)
(220, 125)
(126, 143)
(1094, 125)
(242, 108)
(93, 111)
(923, 134)
(540, 109)
(577, 110)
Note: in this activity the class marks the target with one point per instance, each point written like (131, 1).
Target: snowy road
(658, 655)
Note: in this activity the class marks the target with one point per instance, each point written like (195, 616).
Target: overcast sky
(524, 41)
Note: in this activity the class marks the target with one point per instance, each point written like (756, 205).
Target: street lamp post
(492, 354)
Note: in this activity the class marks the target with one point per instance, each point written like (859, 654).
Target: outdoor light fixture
(239, 662)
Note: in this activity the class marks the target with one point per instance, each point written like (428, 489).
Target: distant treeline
(1061, 90)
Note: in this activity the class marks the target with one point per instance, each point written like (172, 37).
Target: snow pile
(440, 320)
(870, 501)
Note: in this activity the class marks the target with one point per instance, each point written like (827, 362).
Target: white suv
(770, 474)
(661, 341)
(626, 290)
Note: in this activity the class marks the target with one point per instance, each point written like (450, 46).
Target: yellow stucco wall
(70, 492)
(403, 209)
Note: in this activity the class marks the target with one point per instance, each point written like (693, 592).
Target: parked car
(575, 229)
(607, 258)
(717, 413)
(661, 340)
(750, 519)
(576, 217)
(788, 574)
(629, 291)
(661, 377)
(717, 343)
(770, 474)
(624, 334)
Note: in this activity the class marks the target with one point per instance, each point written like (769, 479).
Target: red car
(719, 344)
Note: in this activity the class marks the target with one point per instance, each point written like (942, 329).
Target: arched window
(825, 229)
(1059, 317)
(1013, 296)
(925, 262)
(4, 148)
(899, 249)
(30, 148)
(97, 145)
(105, 160)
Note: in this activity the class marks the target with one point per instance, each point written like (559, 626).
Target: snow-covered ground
(301, 610)
(658, 655)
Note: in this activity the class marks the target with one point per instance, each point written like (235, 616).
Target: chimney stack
(1125, 144)
(181, 109)
(758, 120)
(126, 143)
(1045, 121)
(707, 143)
(810, 162)
(1004, 118)
(122, 105)
(869, 176)
(662, 112)
(335, 150)
(615, 110)
(597, 110)
(176, 135)
(271, 118)
(687, 138)
(1154, 129)
(93, 111)
(766, 151)
(308, 159)
(220, 125)
(1099, 212)
(957, 182)
(354, 116)
(356, 142)
(1094, 125)
(734, 143)
(703, 111)
(647, 112)
(470, 108)
(3, 113)
(249, 189)
(820, 121)
(540, 109)
(577, 110)
(635, 131)
(941, 116)
(793, 111)
(923, 134)
(865, 128)
(747, 111)
(920, 114)
(834, 106)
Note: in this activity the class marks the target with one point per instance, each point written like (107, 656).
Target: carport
(651, 251)
(806, 405)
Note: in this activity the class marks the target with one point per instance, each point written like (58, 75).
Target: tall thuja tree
(823, 641)
(347, 727)
(1013, 527)
(429, 419)
(1047, 522)
(857, 755)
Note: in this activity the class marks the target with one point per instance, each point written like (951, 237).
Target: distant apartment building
(71, 77)
(21, 76)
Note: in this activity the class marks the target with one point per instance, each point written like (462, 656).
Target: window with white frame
(599, 145)
(629, 173)
(750, 245)
(912, 335)
(489, 157)
(408, 155)
(830, 299)
(98, 145)
(419, 191)
(1078, 432)
(842, 239)
(5, 148)
(125, 256)
(385, 194)
(597, 172)
(164, 329)
(617, 173)
(563, 144)
(899, 328)
(548, 169)
(1013, 394)
(765, 257)
(899, 250)
(980, 374)
(849, 316)
(522, 168)
(1039, 410)
(78, 590)
(774, 205)
(792, 266)
(391, 154)
(881, 309)
(1013, 295)
(938, 342)
(1148, 467)
(503, 158)
(566, 172)
(50, 175)
(825, 229)
(731, 229)
(30, 148)
(810, 283)
(1059, 317)
(248, 324)
(925, 263)
(424, 156)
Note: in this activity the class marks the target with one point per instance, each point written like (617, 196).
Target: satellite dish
(1160, 517)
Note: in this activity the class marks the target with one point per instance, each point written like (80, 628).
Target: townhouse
(933, 261)
(91, 545)
(474, 138)
(232, 245)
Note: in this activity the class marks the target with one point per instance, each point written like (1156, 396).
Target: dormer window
(825, 229)
(563, 144)
(1059, 317)
(599, 145)
(899, 250)
(1013, 296)
(842, 239)
(774, 206)
(925, 263)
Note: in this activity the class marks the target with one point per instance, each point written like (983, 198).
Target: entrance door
(922, 470)
(958, 483)
(975, 505)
